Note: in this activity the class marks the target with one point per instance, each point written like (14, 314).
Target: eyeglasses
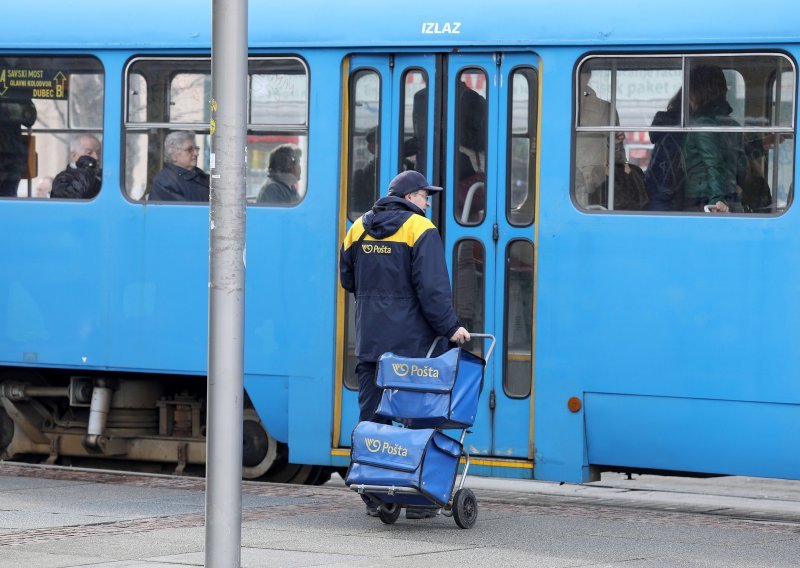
(425, 196)
(192, 149)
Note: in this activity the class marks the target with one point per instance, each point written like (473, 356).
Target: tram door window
(363, 178)
(51, 111)
(164, 95)
(364, 142)
(414, 121)
(491, 195)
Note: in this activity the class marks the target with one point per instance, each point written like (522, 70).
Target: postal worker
(392, 260)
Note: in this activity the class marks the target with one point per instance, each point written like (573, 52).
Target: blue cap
(410, 181)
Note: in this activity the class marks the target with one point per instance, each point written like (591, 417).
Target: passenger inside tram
(14, 114)
(591, 148)
(715, 161)
(83, 176)
(284, 175)
(180, 179)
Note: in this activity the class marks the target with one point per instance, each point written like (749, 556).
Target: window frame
(684, 56)
(507, 314)
(66, 129)
(532, 129)
(204, 129)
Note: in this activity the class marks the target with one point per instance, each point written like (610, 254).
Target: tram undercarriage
(141, 423)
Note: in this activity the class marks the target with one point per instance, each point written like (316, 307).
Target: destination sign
(33, 83)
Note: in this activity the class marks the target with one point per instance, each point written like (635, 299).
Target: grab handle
(482, 335)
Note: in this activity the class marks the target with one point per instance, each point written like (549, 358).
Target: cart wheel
(465, 508)
(389, 513)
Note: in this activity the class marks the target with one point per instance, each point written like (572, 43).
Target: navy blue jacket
(175, 183)
(399, 277)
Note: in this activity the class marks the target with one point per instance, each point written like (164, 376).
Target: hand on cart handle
(461, 336)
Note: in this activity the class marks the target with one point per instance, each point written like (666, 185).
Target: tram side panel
(671, 330)
(115, 286)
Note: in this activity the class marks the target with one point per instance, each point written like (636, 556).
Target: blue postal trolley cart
(416, 464)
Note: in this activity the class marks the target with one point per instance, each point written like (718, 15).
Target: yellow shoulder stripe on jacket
(409, 233)
(353, 234)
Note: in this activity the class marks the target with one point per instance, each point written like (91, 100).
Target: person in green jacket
(715, 161)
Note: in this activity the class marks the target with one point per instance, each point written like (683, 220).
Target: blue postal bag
(425, 460)
(436, 392)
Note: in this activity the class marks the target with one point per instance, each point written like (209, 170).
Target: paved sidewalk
(63, 517)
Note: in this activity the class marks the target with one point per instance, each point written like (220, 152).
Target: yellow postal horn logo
(367, 248)
(372, 444)
(400, 369)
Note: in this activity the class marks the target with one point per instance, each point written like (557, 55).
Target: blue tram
(643, 320)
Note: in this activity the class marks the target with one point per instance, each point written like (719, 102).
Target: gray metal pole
(226, 284)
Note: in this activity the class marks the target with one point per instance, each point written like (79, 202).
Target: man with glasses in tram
(392, 260)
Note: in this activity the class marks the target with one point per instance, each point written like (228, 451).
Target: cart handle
(483, 335)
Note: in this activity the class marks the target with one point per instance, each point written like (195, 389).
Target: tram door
(389, 129)
(488, 132)
(489, 238)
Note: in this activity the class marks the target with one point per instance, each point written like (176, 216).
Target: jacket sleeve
(710, 152)
(432, 283)
(163, 188)
(74, 183)
(347, 276)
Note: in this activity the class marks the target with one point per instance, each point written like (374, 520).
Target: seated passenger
(284, 173)
(181, 179)
(591, 148)
(83, 176)
(715, 161)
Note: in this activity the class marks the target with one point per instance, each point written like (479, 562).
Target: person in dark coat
(284, 173)
(392, 260)
(83, 177)
(14, 114)
(665, 173)
(181, 179)
(715, 161)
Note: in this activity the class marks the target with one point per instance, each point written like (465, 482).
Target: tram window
(364, 142)
(414, 121)
(51, 114)
(521, 188)
(518, 318)
(469, 284)
(783, 87)
(470, 158)
(189, 94)
(170, 94)
(706, 134)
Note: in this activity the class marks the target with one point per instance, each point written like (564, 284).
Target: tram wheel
(465, 508)
(259, 449)
(388, 514)
(6, 430)
(319, 476)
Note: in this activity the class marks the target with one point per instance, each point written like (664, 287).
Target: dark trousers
(368, 394)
